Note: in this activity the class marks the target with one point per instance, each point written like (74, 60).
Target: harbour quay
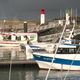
(14, 62)
(15, 58)
(18, 64)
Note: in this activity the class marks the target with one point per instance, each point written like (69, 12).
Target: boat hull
(12, 43)
(61, 61)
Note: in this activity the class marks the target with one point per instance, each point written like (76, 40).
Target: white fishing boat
(16, 39)
(65, 58)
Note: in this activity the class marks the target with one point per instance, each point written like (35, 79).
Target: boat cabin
(67, 49)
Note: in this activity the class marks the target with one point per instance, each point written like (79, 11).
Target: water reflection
(58, 75)
(18, 74)
(35, 74)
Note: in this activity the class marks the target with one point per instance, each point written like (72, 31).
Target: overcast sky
(30, 9)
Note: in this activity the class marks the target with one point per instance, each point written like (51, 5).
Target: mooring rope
(55, 52)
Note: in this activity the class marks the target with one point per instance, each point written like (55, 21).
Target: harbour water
(29, 72)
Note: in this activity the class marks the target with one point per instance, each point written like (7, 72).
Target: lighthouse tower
(42, 16)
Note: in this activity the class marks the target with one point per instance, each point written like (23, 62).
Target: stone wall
(11, 25)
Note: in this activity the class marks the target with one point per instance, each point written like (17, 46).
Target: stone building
(11, 25)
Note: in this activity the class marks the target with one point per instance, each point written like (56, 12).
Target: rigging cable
(55, 52)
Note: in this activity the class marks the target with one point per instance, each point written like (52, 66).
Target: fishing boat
(66, 55)
(65, 58)
(16, 39)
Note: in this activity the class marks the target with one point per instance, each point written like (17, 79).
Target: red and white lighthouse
(42, 16)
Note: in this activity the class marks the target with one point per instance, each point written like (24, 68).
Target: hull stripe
(56, 60)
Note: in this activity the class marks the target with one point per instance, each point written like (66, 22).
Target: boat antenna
(76, 16)
(71, 14)
(55, 51)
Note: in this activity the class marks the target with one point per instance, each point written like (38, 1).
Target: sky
(30, 9)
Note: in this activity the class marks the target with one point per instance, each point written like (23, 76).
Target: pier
(19, 62)
(14, 57)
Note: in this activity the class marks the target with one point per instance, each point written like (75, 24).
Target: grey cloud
(30, 9)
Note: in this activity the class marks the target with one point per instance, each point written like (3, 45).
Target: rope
(74, 56)
(10, 69)
(55, 52)
(71, 64)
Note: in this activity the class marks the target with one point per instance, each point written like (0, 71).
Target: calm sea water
(30, 72)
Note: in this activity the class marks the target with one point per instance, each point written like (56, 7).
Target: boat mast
(76, 16)
(71, 33)
(74, 22)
